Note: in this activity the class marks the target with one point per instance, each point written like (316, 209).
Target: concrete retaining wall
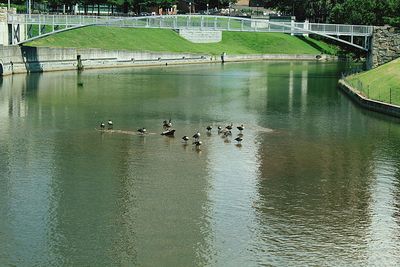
(201, 36)
(373, 105)
(232, 58)
(16, 59)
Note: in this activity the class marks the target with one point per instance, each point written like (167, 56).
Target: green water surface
(315, 182)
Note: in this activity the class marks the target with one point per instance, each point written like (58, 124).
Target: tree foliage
(372, 12)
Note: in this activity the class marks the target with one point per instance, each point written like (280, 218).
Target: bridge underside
(38, 26)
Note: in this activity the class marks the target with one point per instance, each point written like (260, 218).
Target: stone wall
(385, 45)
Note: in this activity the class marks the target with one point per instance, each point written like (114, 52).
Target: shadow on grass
(311, 43)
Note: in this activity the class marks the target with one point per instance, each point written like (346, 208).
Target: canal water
(315, 181)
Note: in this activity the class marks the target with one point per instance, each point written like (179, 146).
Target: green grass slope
(162, 40)
(381, 83)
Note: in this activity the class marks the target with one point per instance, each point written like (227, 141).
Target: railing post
(306, 26)
(215, 23)
(39, 25)
(202, 22)
(229, 24)
(352, 33)
(292, 26)
(241, 26)
(366, 42)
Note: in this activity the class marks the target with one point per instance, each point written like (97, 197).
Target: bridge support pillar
(4, 36)
(10, 34)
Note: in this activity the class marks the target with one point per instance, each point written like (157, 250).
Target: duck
(240, 128)
(219, 129)
(142, 130)
(185, 138)
(209, 128)
(229, 127)
(102, 126)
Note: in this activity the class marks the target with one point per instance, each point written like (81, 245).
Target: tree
(370, 12)
(395, 10)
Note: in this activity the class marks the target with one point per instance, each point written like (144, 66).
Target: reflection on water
(316, 180)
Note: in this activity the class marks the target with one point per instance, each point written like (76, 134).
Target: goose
(142, 130)
(110, 124)
(238, 139)
(227, 132)
(169, 132)
(229, 127)
(240, 128)
(196, 136)
(102, 125)
(185, 138)
(209, 128)
(197, 143)
(219, 129)
(167, 124)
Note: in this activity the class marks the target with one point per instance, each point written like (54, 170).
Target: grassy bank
(162, 40)
(382, 83)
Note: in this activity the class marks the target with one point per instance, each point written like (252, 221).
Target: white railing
(193, 21)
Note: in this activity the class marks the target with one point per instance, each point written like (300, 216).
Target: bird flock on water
(225, 132)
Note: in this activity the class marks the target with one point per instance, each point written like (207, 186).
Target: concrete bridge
(21, 27)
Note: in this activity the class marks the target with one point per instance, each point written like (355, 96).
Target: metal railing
(389, 95)
(193, 21)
